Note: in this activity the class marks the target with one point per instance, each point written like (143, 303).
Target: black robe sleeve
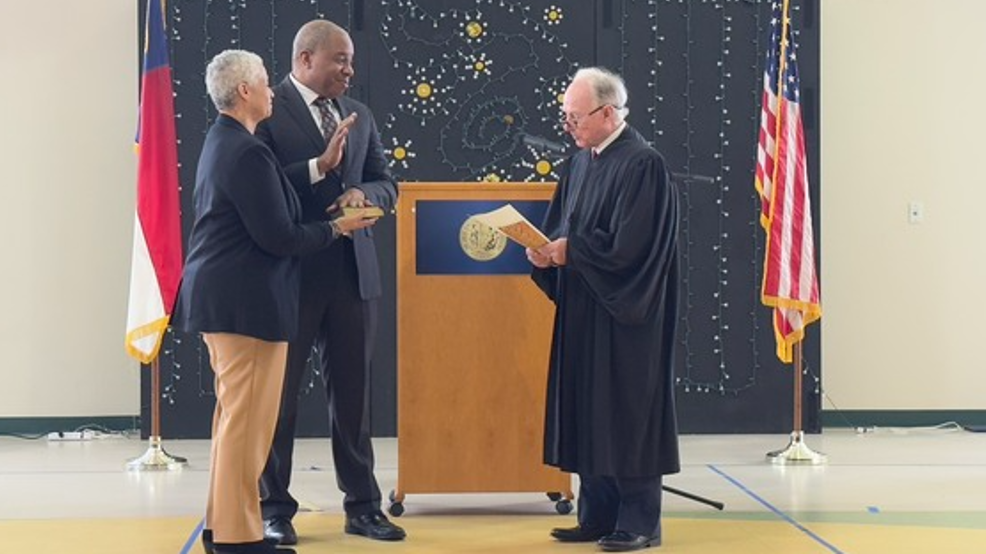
(547, 279)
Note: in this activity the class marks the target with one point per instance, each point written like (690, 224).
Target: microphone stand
(700, 499)
(689, 178)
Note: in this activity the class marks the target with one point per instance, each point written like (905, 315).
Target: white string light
(470, 59)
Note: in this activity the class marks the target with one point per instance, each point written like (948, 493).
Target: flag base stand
(797, 453)
(156, 459)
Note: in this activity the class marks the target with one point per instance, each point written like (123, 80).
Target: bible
(352, 212)
(514, 225)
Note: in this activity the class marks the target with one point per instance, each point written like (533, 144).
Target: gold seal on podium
(480, 241)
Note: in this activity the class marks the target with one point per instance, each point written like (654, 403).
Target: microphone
(542, 143)
(692, 178)
(560, 150)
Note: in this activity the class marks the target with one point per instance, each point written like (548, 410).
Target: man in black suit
(340, 286)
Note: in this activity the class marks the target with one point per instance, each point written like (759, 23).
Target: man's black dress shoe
(376, 526)
(210, 546)
(579, 533)
(279, 530)
(258, 547)
(622, 541)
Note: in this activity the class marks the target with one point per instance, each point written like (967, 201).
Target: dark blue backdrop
(454, 85)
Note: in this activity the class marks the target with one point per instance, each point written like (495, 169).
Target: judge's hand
(538, 259)
(556, 251)
(552, 254)
(332, 157)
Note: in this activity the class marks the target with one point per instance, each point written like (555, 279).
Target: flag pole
(157, 261)
(155, 458)
(797, 452)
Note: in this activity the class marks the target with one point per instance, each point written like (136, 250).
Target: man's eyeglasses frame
(572, 121)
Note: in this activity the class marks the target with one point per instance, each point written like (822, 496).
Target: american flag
(790, 282)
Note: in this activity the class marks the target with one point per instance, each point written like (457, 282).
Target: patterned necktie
(328, 118)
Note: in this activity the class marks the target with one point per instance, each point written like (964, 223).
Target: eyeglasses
(572, 121)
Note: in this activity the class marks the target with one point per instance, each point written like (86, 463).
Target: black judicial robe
(610, 400)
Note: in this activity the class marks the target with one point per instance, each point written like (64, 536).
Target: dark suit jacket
(294, 137)
(242, 271)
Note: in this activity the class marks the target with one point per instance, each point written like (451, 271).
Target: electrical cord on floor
(89, 431)
(948, 426)
(25, 436)
(103, 432)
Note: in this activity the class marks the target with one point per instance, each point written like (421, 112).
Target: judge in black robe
(612, 270)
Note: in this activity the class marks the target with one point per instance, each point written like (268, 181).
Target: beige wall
(68, 104)
(902, 121)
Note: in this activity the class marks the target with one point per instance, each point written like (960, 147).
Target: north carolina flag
(790, 282)
(157, 257)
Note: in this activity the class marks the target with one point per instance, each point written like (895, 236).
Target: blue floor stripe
(776, 511)
(193, 538)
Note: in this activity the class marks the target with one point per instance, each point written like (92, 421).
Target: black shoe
(210, 547)
(622, 541)
(579, 533)
(279, 530)
(376, 526)
(207, 543)
(258, 547)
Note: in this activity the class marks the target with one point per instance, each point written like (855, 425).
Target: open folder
(514, 225)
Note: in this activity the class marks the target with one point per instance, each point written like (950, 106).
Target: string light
(473, 78)
(458, 66)
(272, 47)
(713, 333)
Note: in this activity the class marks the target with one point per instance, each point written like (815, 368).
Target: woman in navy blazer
(240, 290)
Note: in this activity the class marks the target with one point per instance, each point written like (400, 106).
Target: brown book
(366, 212)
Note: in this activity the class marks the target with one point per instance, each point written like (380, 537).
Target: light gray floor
(927, 477)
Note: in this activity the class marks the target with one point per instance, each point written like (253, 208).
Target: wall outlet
(915, 212)
(83, 435)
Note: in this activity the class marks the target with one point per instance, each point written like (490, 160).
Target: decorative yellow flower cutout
(541, 167)
(478, 64)
(426, 93)
(493, 177)
(400, 153)
(475, 30)
(553, 15)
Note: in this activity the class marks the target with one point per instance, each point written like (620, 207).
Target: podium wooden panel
(472, 359)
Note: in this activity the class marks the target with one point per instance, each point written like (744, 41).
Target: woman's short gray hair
(608, 87)
(227, 71)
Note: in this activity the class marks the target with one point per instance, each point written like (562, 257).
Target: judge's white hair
(228, 70)
(607, 87)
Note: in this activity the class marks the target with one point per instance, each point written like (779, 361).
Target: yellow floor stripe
(494, 534)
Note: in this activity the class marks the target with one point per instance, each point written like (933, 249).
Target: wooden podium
(473, 339)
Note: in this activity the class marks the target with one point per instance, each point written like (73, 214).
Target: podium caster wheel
(392, 496)
(554, 496)
(563, 507)
(397, 509)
